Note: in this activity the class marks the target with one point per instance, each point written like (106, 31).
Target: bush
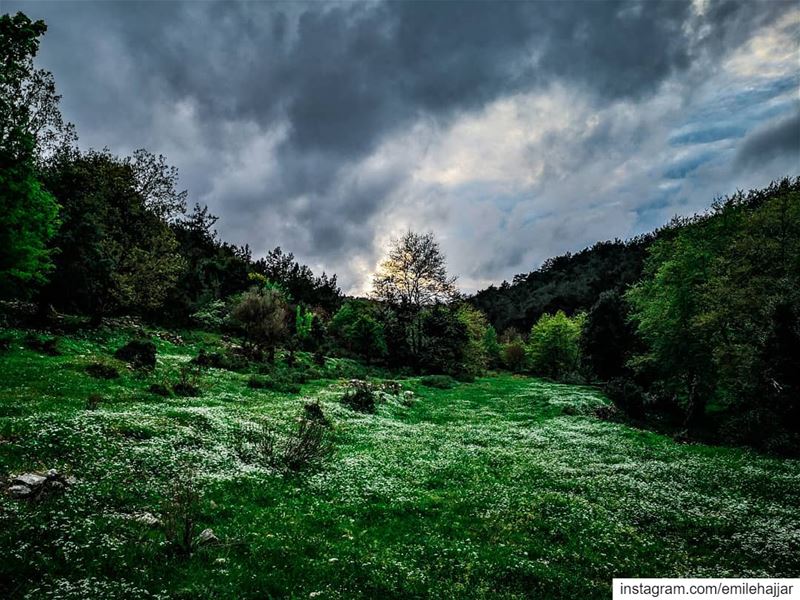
(159, 390)
(360, 396)
(312, 411)
(180, 512)
(187, 385)
(554, 345)
(48, 346)
(138, 353)
(94, 401)
(209, 359)
(102, 371)
(276, 385)
(305, 446)
(442, 382)
(627, 396)
(255, 443)
(262, 314)
(355, 325)
(514, 356)
(212, 315)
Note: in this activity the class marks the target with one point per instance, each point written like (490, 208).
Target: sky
(513, 131)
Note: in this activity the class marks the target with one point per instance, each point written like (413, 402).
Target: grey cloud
(341, 78)
(777, 138)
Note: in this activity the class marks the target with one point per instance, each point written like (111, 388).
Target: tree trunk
(696, 409)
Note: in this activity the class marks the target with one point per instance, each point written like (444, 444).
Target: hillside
(506, 487)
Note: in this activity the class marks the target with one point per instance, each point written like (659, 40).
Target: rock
(20, 491)
(148, 519)
(141, 354)
(31, 480)
(207, 537)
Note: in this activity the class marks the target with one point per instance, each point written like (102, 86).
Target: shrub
(313, 412)
(306, 446)
(94, 401)
(474, 356)
(255, 443)
(48, 346)
(187, 384)
(262, 314)
(554, 345)
(607, 412)
(360, 396)
(492, 348)
(355, 325)
(627, 396)
(276, 385)
(209, 359)
(212, 315)
(442, 382)
(102, 371)
(159, 390)
(180, 513)
(514, 356)
(138, 353)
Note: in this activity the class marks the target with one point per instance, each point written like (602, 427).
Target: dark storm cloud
(337, 80)
(777, 138)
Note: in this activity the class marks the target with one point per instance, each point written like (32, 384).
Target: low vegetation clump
(442, 382)
(102, 371)
(360, 396)
(270, 383)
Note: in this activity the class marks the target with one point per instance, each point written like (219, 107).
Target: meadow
(505, 487)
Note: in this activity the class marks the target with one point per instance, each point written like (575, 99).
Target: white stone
(20, 491)
(31, 480)
(207, 536)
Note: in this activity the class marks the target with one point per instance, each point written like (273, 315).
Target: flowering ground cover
(505, 487)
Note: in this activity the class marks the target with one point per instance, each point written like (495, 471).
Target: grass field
(506, 487)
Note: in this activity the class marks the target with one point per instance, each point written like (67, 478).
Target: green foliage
(581, 496)
(441, 382)
(303, 322)
(298, 281)
(475, 357)
(719, 305)
(571, 282)
(492, 348)
(360, 396)
(554, 345)
(262, 316)
(514, 356)
(115, 255)
(358, 329)
(444, 341)
(608, 339)
(29, 213)
(215, 271)
(212, 315)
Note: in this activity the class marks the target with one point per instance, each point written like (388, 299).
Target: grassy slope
(499, 488)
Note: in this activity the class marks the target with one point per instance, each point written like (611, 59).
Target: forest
(158, 380)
